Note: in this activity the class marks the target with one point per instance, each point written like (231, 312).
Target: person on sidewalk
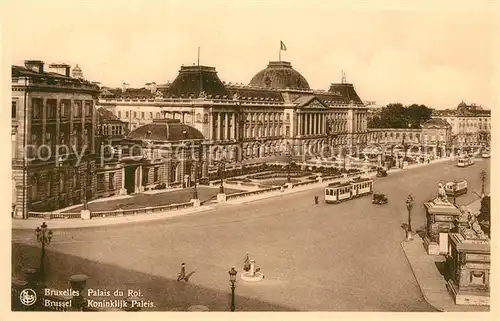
(316, 200)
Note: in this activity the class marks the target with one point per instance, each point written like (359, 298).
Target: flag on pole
(282, 46)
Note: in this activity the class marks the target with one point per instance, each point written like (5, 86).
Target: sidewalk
(96, 222)
(431, 282)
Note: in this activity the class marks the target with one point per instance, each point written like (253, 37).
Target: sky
(436, 53)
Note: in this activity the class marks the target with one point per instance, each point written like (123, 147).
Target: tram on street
(341, 191)
(456, 187)
(465, 161)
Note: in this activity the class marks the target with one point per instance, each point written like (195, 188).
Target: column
(70, 136)
(248, 125)
(227, 131)
(84, 137)
(235, 126)
(92, 131)
(310, 124)
(58, 124)
(44, 119)
(182, 117)
(299, 124)
(219, 126)
(211, 126)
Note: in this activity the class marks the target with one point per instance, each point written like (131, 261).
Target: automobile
(379, 199)
(381, 172)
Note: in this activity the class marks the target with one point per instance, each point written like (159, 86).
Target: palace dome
(279, 75)
(165, 130)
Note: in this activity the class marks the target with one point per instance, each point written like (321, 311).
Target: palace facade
(276, 113)
(470, 125)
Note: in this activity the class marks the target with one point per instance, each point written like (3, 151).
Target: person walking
(316, 200)
(246, 263)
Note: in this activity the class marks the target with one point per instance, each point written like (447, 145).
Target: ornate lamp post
(222, 167)
(483, 180)
(44, 236)
(232, 279)
(409, 206)
(195, 187)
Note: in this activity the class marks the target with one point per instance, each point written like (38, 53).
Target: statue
(441, 194)
(202, 95)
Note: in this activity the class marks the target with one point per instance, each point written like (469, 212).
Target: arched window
(198, 117)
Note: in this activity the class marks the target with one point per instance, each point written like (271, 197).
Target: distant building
(112, 130)
(470, 125)
(436, 134)
(51, 109)
(77, 72)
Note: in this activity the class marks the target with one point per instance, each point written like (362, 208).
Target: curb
(418, 282)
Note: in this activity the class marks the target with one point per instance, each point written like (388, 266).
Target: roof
(165, 130)
(347, 91)
(193, 80)
(106, 115)
(279, 75)
(339, 184)
(51, 78)
(436, 122)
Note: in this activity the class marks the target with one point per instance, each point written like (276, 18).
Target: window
(142, 115)
(14, 109)
(37, 108)
(135, 114)
(126, 114)
(100, 182)
(119, 113)
(111, 183)
(62, 182)
(34, 189)
(145, 177)
(49, 185)
(151, 115)
(156, 173)
(77, 109)
(158, 115)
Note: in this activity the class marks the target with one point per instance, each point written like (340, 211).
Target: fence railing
(114, 213)
(251, 193)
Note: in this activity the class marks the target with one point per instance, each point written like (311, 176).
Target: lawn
(164, 198)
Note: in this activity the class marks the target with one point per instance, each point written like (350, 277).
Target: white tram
(465, 161)
(341, 191)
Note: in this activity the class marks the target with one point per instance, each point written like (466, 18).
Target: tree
(418, 114)
(485, 211)
(398, 116)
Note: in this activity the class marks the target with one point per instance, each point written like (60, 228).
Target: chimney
(153, 87)
(62, 69)
(124, 87)
(34, 65)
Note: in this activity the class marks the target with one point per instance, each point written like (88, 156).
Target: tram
(456, 187)
(465, 161)
(341, 191)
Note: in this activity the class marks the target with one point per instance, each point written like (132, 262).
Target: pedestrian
(182, 273)
(316, 200)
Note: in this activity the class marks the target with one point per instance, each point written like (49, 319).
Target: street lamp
(195, 187)
(44, 236)
(409, 206)
(222, 167)
(232, 279)
(483, 180)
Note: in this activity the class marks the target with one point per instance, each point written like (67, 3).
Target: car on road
(379, 199)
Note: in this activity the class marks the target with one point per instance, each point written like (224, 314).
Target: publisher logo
(28, 297)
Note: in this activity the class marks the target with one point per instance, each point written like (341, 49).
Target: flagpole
(280, 54)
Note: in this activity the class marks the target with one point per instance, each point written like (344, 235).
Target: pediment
(310, 102)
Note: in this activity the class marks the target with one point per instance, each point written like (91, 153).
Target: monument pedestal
(221, 197)
(469, 266)
(441, 220)
(85, 214)
(123, 191)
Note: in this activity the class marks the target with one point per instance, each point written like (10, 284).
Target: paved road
(344, 257)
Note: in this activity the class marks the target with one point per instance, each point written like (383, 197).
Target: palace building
(276, 112)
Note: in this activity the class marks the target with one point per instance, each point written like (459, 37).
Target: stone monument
(468, 263)
(442, 216)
